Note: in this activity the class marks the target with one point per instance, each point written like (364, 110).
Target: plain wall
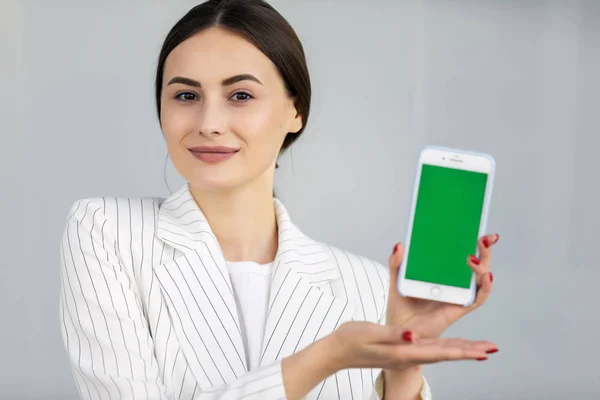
(517, 79)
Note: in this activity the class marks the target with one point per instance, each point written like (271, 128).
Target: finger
(371, 333)
(490, 240)
(478, 269)
(389, 334)
(483, 291)
(436, 352)
(494, 239)
(469, 348)
(410, 336)
(481, 265)
(484, 345)
(484, 245)
(447, 342)
(394, 262)
(400, 357)
(428, 351)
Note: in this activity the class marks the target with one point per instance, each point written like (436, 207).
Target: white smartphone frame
(457, 159)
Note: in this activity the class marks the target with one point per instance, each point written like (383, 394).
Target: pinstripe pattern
(147, 308)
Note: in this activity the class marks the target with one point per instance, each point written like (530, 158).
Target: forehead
(214, 54)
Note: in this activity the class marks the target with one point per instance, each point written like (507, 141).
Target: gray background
(517, 79)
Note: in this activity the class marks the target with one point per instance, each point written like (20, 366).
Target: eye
(241, 97)
(187, 96)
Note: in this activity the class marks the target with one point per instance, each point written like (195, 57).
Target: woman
(214, 293)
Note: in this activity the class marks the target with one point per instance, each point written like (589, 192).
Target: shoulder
(364, 271)
(354, 260)
(114, 213)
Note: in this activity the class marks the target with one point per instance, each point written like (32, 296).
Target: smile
(213, 155)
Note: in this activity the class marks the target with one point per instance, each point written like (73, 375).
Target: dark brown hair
(260, 24)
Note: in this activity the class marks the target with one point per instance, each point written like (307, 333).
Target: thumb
(395, 335)
(394, 262)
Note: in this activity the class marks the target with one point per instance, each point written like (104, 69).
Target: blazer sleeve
(105, 331)
(378, 389)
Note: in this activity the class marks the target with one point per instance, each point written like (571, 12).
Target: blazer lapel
(300, 309)
(199, 294)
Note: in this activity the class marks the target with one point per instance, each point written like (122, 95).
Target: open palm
(431, 318)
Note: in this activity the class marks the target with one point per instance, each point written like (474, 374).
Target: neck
(243, 221)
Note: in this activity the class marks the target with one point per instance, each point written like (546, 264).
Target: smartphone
(448, 215)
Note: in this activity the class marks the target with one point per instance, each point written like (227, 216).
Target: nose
(211, 120)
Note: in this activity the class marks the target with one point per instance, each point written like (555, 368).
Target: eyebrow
(225, 82)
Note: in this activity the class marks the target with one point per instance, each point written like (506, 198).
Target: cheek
(261, 131)
(175, 125)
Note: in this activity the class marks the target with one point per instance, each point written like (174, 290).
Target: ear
(295, 122)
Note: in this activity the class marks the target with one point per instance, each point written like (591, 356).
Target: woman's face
(224, 111)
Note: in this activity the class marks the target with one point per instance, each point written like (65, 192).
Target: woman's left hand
(431, 318)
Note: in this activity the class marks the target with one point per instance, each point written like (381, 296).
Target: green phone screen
(446, 225)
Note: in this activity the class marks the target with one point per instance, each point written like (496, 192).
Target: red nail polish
(396, 248)
(481, 359)
(475, 260)
(486, 242)
(491, 277)
(492, 351)
(407, 336)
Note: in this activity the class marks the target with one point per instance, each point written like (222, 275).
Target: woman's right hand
(369, 345)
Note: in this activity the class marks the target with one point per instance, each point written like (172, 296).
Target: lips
(213, 154)
(214, 149)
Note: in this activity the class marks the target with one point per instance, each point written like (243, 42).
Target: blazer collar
(302, 306)
(182, 225)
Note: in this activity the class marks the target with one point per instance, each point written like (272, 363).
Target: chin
(212, 182)
(211, 185)
(222, 179)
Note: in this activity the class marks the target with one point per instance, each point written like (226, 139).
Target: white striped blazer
(147, 307)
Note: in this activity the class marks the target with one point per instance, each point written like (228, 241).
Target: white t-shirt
(251, 285)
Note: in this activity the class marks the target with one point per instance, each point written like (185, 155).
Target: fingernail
(491, 277)
(481, 359)
(497, 237)
(486, 242)
(408, 335)
(474, 260)
(396, 248)
(492, 351)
